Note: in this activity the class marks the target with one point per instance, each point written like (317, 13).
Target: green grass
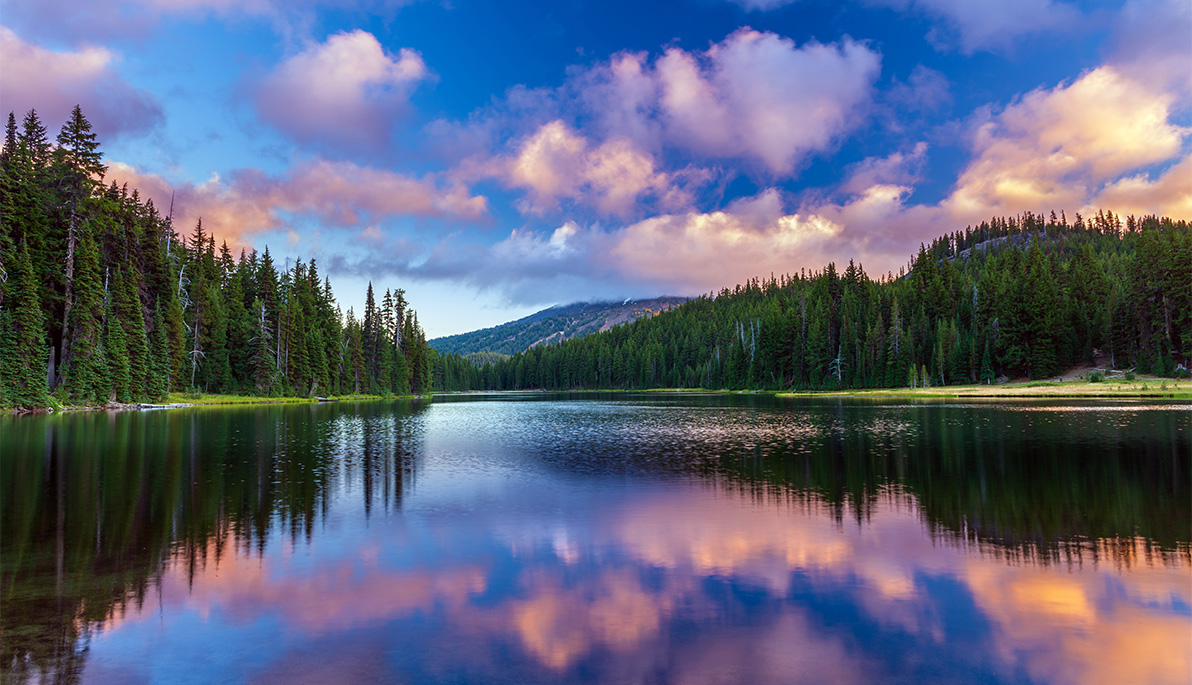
(1149, 388)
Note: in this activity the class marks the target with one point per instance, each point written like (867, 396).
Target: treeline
(101, 301)
(1024, 296)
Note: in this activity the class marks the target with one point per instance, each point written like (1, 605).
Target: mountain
(552, 325)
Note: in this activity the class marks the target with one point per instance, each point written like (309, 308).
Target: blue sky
(496, 158)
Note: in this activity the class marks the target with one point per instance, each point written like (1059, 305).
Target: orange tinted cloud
(337, 193)
(556, 163)
(1056, 148)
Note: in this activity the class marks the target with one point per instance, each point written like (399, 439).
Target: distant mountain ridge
(552, 325)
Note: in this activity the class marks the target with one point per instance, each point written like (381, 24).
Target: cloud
(899, 168)
(695, 251)
(87, 21)
(754, 96)
(556, 163)
(340, 194)
(603, 138)
(1057, 148)
(1152, 41)
(54, 82)
(346, 91)
(925, 90)
(976, 25)
(1168, 195)
(970, 25)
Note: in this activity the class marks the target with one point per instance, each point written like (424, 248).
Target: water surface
(600, 538)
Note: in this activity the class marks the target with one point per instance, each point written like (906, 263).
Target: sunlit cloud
(347, 91)
(340, 194)
(1057, 148)
(54, 82)
(556, 163)
(1170, 194)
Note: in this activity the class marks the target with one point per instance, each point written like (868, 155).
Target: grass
(1108, 389)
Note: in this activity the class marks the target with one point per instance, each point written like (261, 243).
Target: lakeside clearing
(1142, 387)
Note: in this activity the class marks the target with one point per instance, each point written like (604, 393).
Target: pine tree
(132, 321)
(22, 340)
(117, 358)
(86, 369)
(157, 380)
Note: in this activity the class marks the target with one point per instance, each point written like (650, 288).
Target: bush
(1096, 377)
(1130, 375)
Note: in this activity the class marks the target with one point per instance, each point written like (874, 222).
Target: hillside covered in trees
(100, 299)
(1023, 296)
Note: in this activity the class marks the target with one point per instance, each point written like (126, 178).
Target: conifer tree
(83, 359)
(22, 339)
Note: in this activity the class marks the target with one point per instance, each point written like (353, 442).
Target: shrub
(1096, 377)
(1129, 375)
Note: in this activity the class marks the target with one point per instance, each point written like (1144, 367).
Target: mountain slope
(553, 325)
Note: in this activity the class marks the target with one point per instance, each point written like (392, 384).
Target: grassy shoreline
(179, 400)
(1140, 388)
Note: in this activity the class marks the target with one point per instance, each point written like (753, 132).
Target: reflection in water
(681, 539)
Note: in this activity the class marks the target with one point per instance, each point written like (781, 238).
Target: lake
(626, 538)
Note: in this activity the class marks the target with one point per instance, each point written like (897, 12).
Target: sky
(496, 158)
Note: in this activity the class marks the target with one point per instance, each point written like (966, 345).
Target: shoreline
(1140, 388)
(177, 400)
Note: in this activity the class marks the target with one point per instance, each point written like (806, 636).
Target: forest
(101, 301)
(1017, 297)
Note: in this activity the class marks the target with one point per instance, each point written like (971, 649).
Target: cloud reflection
(760, 578)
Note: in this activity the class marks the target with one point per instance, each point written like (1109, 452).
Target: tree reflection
(97, 504)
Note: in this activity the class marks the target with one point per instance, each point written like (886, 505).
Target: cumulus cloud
(1056, 148)
(558, 163)
(697, 251)
(755, 96)
(347, 90)
(54, 82)
(337, 193)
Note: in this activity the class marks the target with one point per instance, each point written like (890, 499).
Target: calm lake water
(600, 538)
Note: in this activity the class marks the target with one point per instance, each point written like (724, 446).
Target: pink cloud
(337, 193)
(54, 82)
(556, 163)
(755, 96)
(345, 91)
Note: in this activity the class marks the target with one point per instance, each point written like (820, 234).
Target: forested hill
(553, 325)
(100, 299)
(1024, 296)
